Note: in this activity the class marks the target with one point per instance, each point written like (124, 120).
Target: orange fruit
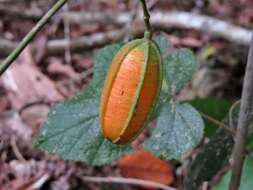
(131, 89)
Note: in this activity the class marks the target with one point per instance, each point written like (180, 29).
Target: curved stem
(231, 112)
(146, 18)
(29, 37)
(218, 123)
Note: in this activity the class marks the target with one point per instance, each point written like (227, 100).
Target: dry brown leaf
(81, 63)
(30, 184)
(4, 103)
(25, 83)
(14, 122)
(58, 68)
(144, 165)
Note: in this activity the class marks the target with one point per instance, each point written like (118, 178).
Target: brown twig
(15, 13)
(36, 103)
(160, 21)
(79, 44)
(88, 42)
(131, 181)
(16, 149)
(166, 20)
(178, 19)
(66, 22)
(245, 115)
(6, 47)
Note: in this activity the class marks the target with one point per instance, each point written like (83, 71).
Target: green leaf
(179, 129)
(213, 156)
(163, 44)
(213, 107)
(178, 69)
(234, 119)
(174, 71)
(72, 129)
(246, 180)
(164, 97)
(103, 59)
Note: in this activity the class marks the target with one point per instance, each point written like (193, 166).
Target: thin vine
(30, 36)
(146, 17)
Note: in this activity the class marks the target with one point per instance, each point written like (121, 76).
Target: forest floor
(41, 77)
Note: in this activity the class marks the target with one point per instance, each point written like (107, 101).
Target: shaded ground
(35, 83)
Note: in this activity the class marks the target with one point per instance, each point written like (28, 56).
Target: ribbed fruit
(131, 89)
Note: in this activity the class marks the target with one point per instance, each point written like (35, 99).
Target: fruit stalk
(148, 28)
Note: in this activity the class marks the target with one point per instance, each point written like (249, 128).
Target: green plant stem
(29, 37)
(231, 110)
(218, 123)
(146, 17)
(226, 128)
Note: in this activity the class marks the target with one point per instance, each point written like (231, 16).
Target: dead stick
(160, 20)
(166, 20)
(245, 115)
(14, 12)
(131, 181)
